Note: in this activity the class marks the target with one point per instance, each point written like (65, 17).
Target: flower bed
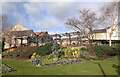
(6, 68)
(39, 63)
(7, 51)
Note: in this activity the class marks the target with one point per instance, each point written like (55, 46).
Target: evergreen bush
(55, 48)
(45, 49)
(84, 49)
(51, 56)
(104, 49)
(87, 55)
(15, 53)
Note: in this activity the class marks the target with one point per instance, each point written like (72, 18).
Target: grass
(24, 67)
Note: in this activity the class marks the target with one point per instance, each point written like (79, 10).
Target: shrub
(15, 53)
(33, 56)
(118, 48)
(51, 56)
(59, 54)
(61, 50)
(84, 49)
(74, 51)
(8, 50)
(68, 51)
(87, 55)
(37, 57)
(104, 49)
(55, 47)
(45, 49)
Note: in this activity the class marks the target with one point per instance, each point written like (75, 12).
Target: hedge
(102, 49)
(44, 49)
(12, 53)
(84, 49)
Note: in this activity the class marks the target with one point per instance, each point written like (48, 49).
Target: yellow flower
(32, 57)
(69, 51)
(75, 52)
(34, 54)
(72, 48)
(78, 53)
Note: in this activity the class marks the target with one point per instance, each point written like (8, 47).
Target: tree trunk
(79, 40)
(69, 40)
(3, 44)
(60, 40)
(90, 41)
(110, 41)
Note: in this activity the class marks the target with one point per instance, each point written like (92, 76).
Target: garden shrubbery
(24, 52)
(100, 50)
(105, 48)
(6, 68)
(87, 55)
(69, 52)
(45, 49)
(55, 48)
(10, 54)
(51, 56)
(60, 54)
(84, 53)
(84, 49)
(72, 52)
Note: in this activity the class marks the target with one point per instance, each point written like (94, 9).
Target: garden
(51, 59)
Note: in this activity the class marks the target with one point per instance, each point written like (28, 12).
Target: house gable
(18, 27)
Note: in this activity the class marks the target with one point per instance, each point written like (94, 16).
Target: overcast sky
(46, 16)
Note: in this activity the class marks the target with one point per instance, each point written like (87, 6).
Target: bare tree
(85, 23)
(8, 37)
(110, 17)
(6, 24)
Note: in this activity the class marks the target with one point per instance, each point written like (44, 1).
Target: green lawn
(84, 68)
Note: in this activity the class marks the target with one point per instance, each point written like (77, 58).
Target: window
(31, 34)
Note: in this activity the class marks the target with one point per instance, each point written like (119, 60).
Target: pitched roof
(40, 33)
(23, 33)
(18, 27)
(99, 31)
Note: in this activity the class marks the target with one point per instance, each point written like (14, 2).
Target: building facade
(19, 36)
(104, 34)
(43, 37)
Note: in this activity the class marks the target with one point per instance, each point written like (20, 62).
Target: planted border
(7, 68)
